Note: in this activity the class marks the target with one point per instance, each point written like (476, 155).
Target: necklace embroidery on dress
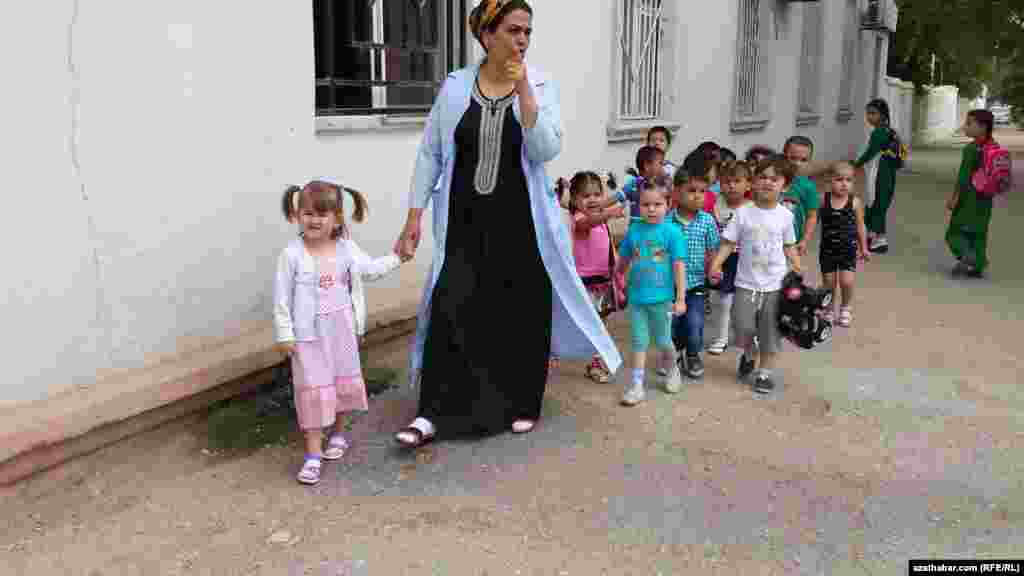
(492, 125)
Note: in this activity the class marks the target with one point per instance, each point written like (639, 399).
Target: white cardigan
(295, 287)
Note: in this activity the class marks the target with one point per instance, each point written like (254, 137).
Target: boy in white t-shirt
(764, 231)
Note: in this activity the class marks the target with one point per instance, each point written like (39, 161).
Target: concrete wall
(162, 134)
(166, 146)
(939, 114)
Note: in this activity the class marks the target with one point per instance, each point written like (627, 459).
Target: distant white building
(146, 145)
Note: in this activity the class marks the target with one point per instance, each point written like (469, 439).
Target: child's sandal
(336, 447)
(310, 472)
(597, 373)
(845, 317)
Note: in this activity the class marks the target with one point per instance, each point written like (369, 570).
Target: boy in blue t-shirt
(654, 252)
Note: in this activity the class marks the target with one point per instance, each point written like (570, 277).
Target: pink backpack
(993, 176)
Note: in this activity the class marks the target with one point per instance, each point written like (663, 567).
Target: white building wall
(147, 146)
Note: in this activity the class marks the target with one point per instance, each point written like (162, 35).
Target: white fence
(937, 114)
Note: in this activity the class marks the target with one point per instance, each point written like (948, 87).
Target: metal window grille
(850, 27)
(385, 56)
(640, 40)
(810, 58)
(748, 58)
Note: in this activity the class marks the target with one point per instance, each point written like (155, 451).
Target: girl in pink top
(594, 251)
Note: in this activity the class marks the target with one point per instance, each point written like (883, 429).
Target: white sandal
(523, 425)
(336, 447)
(845, 316)
(416, 434)
(310, 472)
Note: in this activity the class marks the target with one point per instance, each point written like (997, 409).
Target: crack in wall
(103, 315)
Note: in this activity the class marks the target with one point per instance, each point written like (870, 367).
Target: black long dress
(485, 359)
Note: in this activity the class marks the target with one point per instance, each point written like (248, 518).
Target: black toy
(801, 312)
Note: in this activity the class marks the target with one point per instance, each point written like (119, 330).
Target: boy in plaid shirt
(688, 188)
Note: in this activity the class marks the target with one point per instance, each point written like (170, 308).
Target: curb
(52, 448)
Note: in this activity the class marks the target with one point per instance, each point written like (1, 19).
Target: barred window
(850, 32)
(385, 57)
(747, 59)
(808, 110)
(755, 59)
(640, 37)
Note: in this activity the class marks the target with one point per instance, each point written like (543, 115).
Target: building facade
(147, 146)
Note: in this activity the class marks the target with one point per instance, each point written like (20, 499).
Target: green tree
(965, 37)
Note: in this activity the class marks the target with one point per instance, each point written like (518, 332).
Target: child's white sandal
(310, 472)
(336, 447)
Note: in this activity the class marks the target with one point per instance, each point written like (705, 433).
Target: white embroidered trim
(492, 125)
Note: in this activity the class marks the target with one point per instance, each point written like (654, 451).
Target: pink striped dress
(326, 375)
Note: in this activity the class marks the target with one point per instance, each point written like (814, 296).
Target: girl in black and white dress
(843, 240)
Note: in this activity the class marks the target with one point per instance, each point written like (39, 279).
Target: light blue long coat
(576, 329)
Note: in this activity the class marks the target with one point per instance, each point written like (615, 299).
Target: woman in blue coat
(502, 287)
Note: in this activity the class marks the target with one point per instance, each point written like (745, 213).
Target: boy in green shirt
(801, 197)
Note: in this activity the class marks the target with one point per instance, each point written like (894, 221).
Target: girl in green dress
(880, 160)
(967, 234)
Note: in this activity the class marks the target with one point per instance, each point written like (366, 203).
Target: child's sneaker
(763, 384)
(878, 245)
(829, 315)
(960, 268)
(634, 394)
(744, 367)
(597, 372)
(673, 383)
(718, 346)
(694, 366)
(665, 366)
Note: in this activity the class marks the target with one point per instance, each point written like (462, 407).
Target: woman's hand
(409, 240)
(286, 348)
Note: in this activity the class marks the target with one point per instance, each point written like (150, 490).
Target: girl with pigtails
(319, 313)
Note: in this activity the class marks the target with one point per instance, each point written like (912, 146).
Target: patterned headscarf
(487, 12)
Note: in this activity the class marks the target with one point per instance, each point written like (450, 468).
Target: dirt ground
(899, 439)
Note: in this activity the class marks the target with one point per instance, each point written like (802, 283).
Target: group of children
(713, 224)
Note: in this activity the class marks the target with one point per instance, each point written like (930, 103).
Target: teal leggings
(651, 321)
